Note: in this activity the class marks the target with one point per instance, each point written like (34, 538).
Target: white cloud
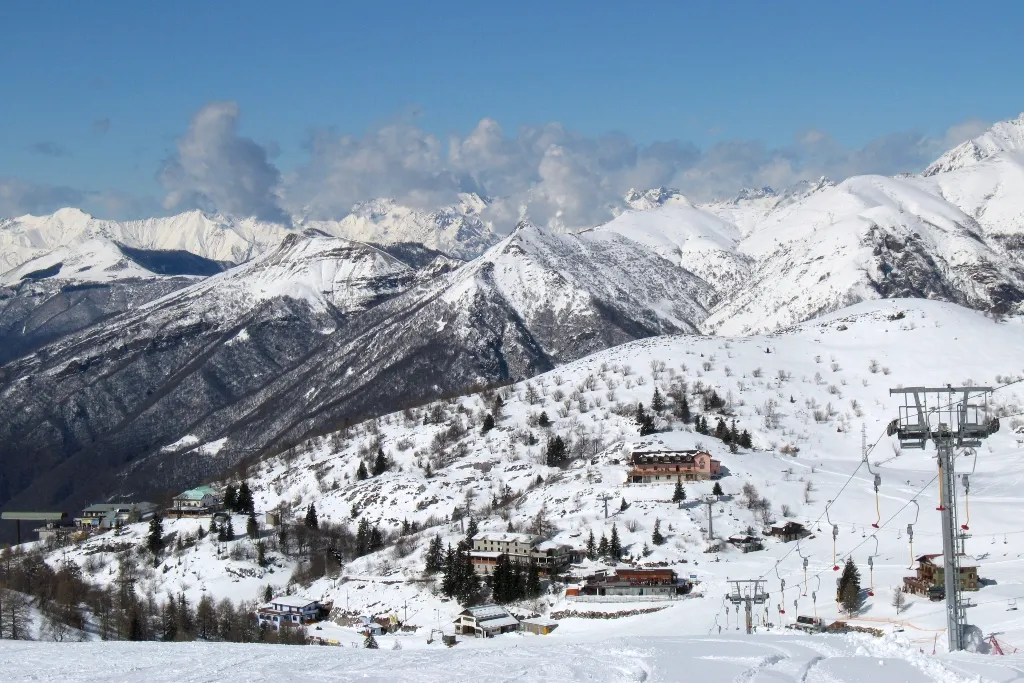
(217, 170)
(549, 173)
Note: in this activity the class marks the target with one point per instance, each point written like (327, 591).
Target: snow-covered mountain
(457, 230)
(1005, 136)
(78, 285)
(313, 333)
(802, 393)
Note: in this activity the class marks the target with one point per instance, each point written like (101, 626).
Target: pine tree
(434, 560)
(229, 530)
(363, 537)
(556, 452)
(683, 410)
(734, 435)
(469, 591)
(155, 539)
(243, 502)
(312, 522)
(679, 494)
(656, 536)
(716, 490)
(361, 472)
(722, 431)
(503, 581)
(544, 420)
(644, 420)
(849, 588)
(488, 423)
(369, 642)
(252, 529)
(268, 593)
(472, 529)
(376, 539)
(532, 581)
(745, 440)
(602, 547)
(230, 497)
(614, 545)
(380, 463)
(591, 546)
(700, 425)
(623, 505)
(450, 582)
(657, 402)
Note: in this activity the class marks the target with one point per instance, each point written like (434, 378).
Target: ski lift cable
(913, 500)
(872, 447)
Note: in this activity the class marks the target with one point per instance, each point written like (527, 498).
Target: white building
(522, 549)
(289, 610)
(485, 621)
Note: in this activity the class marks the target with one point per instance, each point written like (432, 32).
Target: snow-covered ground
(810, 388)
(826, 659)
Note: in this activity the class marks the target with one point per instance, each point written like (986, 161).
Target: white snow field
(755, 659)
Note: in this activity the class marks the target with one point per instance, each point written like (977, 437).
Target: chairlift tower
(747, 592)
(947, 417)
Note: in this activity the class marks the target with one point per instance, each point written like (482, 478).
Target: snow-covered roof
(486, 612)
(541, 621)
(504, 537)
(485, 553)
(197, 493)
(939, 561)
(292, 601)
(499, 622)
(549, 545)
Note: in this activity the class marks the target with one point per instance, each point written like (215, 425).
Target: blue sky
(97, 96)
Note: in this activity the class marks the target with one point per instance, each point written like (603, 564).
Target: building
(747, 544)
(485, 621)
(668, 467)
(57, 531)
(931, 575)
(630, 582)
(787, 531)
(111, 515)
(369, 625)
(198, 502)
(290, 610)
(522, 549)
(540, 626)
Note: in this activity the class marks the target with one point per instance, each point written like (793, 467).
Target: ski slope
(655, 659)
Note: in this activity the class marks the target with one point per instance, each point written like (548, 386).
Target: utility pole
(952, 422)
(747, 592)
(709, 501)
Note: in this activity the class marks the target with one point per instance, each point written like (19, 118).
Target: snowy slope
(658, 658)
(805, 390)
(869, 237)
(100, 260)
(687, 236)
(1005, 136)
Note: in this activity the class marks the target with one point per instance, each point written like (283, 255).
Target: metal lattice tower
(747, 592)
(946, 417)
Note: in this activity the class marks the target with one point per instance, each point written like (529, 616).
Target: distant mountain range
(122, 341)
